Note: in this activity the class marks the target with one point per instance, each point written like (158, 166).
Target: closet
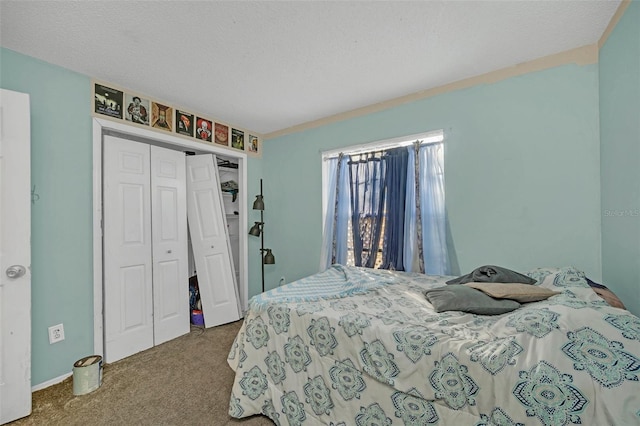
(149, 191)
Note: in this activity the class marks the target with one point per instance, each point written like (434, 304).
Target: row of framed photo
(119, 104)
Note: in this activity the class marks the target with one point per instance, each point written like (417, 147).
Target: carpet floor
(185, 381)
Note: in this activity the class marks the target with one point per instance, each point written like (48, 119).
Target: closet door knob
(212, 246)
(168, 251)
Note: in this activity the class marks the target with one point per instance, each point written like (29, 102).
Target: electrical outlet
(56, 334)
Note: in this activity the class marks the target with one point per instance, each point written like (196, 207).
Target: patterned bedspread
(354, 346)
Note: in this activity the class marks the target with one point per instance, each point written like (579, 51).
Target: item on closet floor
(194, 293)
(87, 374)
(196, 317)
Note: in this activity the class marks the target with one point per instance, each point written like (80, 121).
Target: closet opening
(232, 172)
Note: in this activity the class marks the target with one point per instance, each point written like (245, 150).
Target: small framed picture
(222, 134)
(137, 109)
(161, 117)
(108, 101)
(203, 129)
(253, 144)
(237, 139)
(184, 123)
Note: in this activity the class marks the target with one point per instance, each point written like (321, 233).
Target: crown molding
(613, 22)
(581, 56)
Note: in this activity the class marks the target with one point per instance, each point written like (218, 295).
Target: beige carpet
(186, 381)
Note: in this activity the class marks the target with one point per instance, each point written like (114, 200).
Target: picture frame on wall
(137, 109)
(222, 134)
(161, 117)
(203, 129)
(184, 123)
(253, 144)
(237, 139)
(119, 103)
(108, 101)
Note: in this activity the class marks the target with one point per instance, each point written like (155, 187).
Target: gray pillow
(492, 274)
(467, 299)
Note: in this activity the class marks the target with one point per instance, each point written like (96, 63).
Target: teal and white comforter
(353, 346)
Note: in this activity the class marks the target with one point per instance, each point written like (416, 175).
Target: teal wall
(522, 175)
(620, 156)
(61, 219)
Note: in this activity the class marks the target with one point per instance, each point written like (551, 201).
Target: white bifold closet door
(170, 259)
(146, 293)
(210, 242)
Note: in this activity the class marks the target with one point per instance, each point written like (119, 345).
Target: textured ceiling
(270, 65)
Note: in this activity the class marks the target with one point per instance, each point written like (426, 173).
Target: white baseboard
(51, 382)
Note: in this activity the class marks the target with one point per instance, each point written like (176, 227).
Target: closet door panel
(128, 310)
(169, 227)
(216, 267)
(132, 288)
(210, 242)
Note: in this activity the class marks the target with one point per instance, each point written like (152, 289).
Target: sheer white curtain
(434, 237)
(432, 213)
(329, 215)
(343, 213)
(411, 260)
(334, 238)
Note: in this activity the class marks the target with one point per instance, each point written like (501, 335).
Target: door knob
(16, 271)
(168, 251)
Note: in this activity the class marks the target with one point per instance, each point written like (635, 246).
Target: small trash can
(87, 374)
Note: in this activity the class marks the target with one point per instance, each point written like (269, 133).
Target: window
(372, 205)
(351, 261)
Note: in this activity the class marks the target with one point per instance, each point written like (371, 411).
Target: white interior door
(15, 256)
(169, 229)
(128, 297)
(210, 242)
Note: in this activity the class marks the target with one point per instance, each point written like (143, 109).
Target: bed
(355, 346)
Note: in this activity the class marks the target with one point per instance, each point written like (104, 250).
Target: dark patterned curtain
(396, 163)
(367, 176)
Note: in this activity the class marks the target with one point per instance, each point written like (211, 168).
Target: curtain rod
(423, 138)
